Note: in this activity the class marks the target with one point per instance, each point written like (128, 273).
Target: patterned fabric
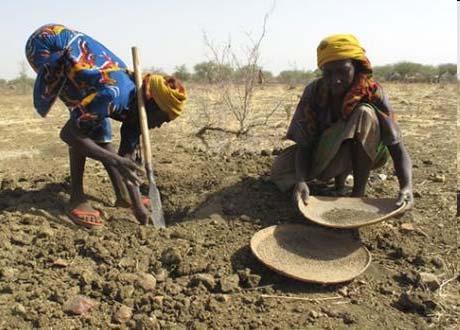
(313, 114)
(91, 80)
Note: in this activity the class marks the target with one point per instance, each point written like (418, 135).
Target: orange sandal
(77, 216)
(144, 200)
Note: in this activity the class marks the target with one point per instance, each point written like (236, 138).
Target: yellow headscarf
(169, 95)
(339, 47)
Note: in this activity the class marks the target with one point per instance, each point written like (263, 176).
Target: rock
(408, 227)
(245, 218)
(7, 184)
(229, 283)
(409, 277)
(206, 279)
(247, 279)
(79, 305)
(385, 289)
(191, 267)
(253, 280)
(45, 232)
(173, 289)
(314, 314)
(225, 298)
(21, 239)
(87, 277)
(158, 301)
(127, 262)
(265, 152)
(343, 291)
(60, 263)
(161, 275)
(437, 262)
(7, 289)
(329, 312)
(417, 194)
(144, 322)
(171, 257)
(419, 260)
(347, 318)
(428, 280)
(298, 309)
(349, 181)
(7, 273)
(382, 177)
(146, 281)
(123, 314)
(127, 278)
(19, 309)
(197, 325)
(416, 303)
(439, 178)
(276, 151)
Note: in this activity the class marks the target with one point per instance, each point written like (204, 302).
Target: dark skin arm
(403, 168)
(70, 135)
(124, 165)
(301, 190)
(139, 210)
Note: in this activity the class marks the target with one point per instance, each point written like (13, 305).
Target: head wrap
(364, 88)
(167, 92)
(339, 47)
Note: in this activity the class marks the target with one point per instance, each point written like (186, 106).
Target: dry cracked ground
(199, 272)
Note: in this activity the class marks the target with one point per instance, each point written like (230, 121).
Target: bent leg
(357, 152)
(362, 165)
(80, 210)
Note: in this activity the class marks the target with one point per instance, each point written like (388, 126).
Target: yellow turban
(168, 94)
(339, 47)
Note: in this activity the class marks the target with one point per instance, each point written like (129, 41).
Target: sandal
(78, 217)
(144, 200)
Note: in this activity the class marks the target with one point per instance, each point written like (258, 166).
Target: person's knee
(365, 110)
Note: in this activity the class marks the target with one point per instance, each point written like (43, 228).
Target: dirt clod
(417, 302)
(123, 314)
(229, 283)
(170, 257)
(437, 262)
(19, 309)
(146, 281)
(206, 279)
(79, 305)
(428, 280)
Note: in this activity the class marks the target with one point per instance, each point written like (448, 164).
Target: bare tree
(236, 91)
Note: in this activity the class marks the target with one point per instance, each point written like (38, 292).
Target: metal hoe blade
(155, 202)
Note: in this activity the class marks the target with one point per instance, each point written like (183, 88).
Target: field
(216, 195)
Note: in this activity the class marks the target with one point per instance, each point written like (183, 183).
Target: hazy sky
(170, 33)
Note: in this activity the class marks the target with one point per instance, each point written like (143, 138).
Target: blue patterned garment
(91, 81)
